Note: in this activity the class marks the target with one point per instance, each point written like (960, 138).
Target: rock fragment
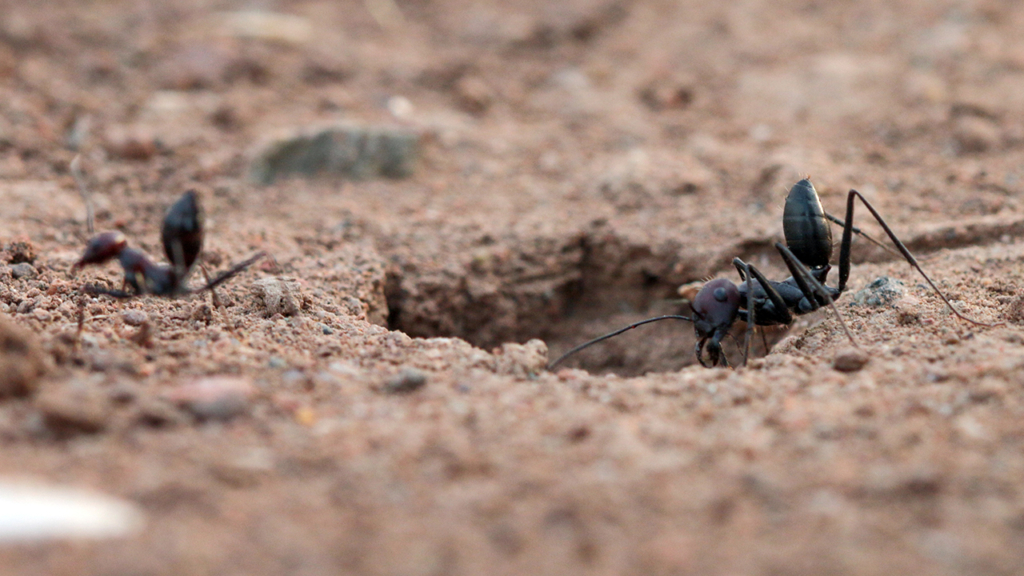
(215, 397)
(277, 296)
(521, 360)
(406, 381)
(23, 270)
(881, 292)
(76, 409)
(22, 360)
(20, 251)
(850, 360)
(355, 152)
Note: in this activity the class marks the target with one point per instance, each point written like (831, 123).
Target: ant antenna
(558, 360)
(76, 172)
(862, 234)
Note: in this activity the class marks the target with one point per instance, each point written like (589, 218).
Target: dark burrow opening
(568, 290)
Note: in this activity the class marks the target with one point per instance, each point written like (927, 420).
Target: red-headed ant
(182, 237)
(762, 302)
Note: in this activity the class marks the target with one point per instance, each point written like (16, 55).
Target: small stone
(277, 295)
(22, 360)
(214, 398)
(23, 270)
(356, 152)
(850, 360)
(277, 362)
(130, 144)
(521, 360)
(883, 291)
(473, 94)
(408, 380)
(973, 135)
(134, 317)
(158, 413)
(267, 26)
(195, 66)
(20, 251)
(68, 411)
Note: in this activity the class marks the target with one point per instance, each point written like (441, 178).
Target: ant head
(715, 308)
(101, 249)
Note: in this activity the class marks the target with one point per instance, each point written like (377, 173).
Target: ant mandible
(182, 237)
(762, 302)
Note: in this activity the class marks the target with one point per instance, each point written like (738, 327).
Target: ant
(762, 302)
(182, 237)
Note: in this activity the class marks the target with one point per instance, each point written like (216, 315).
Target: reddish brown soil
(580, 160)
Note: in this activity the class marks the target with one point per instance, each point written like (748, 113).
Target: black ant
(762, 302)
(182, 237)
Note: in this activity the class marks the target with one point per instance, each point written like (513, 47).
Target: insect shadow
(758, 301)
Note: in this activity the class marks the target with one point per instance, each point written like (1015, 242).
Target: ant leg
(558, 360)
(744, 270)
(230, 273)
(809, 285)
(750, 273)
(213, 293)
(844, 254)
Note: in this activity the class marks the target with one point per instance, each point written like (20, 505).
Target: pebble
(195, 66)
(277, 296)
(69, 410)
(973, 135)
(33, 512)
(521, 360)
(134, 317)
(356, 152)
(22, 361)
(20, 251)
(408, 380)
(23, 270)
(881, 292)
(473, 95)
(158, 413)
(214, 397)
(130, 144)
(267, 26)
(850, 360)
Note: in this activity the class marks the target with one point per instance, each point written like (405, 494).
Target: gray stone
(354, 152)
(23, 270)
(408, 380)
(850, 360)
(882, 292)
(71, 410)
(214, 397)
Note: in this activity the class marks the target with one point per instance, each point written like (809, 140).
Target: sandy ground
(373, 399)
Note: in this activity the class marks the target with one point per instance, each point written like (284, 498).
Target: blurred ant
(182, 237)
(762, 302)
